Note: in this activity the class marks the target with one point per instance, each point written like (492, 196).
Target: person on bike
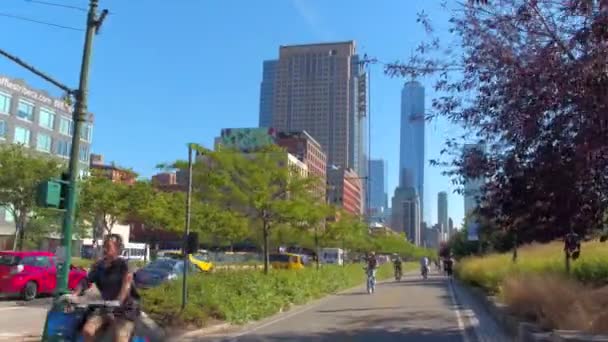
(397, 263)
(115, 283)
(424, 265)
(448, 265)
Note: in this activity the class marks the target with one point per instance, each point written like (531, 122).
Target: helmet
(372, 253)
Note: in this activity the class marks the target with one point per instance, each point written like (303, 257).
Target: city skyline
(195, 94)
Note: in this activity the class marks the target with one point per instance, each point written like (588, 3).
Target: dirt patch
(557, 302)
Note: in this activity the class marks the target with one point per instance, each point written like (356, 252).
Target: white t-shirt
(424, 261)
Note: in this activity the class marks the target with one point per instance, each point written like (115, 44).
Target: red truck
(28, 274)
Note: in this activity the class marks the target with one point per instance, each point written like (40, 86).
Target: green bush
(243, 296)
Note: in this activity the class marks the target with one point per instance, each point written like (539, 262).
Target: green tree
(21, 171)
(259, 187)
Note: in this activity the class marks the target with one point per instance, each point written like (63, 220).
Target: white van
(332, 256)
(136, 251)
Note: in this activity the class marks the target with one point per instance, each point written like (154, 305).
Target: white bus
(136, 251)
(332, 256)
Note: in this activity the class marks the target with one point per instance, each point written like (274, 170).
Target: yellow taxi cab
(286, 261)
(200, 259)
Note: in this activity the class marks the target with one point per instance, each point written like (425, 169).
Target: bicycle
(371, 280)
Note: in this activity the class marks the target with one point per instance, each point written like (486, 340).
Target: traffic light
(65, 187)
(49, 194)
(53, 193)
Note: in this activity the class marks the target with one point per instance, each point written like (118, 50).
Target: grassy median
(243, 296)
(537, 287)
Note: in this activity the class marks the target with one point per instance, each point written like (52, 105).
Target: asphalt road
(432, 310)
(20, 319)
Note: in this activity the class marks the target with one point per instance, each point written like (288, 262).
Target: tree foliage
(257, 190)
(21, 171)
(530, 82)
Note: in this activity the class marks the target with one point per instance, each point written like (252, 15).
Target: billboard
(473, 231)
(247, 139)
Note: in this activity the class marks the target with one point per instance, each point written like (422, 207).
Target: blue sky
(168, 72)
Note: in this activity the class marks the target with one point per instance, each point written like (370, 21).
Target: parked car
(159, 271)
(201, 260)
(29, 274)
(286, 261)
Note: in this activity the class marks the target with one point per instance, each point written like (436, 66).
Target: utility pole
(186, 252)
(79, 116)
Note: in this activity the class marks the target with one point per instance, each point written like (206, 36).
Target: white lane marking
(461, 325)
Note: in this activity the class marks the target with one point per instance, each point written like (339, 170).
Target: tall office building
(320, 89)
(267, 93)
(412, 147)
(406, 214)
(378, 201)
(442, 212)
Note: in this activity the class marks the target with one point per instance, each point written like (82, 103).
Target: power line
(57, 5)
(8, 15)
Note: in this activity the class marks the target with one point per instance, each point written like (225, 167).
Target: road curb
(526, 331)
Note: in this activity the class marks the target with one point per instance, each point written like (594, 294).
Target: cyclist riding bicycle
(397, 263)
(112, 277)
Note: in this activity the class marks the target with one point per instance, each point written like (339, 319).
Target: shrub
(247, 295)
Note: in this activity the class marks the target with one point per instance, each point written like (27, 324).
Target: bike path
(411, 310)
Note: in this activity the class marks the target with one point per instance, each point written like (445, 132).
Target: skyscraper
(442, 212)
(378, 189)
(320, 89)
(406, 214)
(267, 93)
(412, 146)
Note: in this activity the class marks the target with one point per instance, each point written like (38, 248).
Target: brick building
(111, 171)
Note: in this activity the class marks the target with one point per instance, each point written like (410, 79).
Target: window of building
(63, 148)
(22, 136)
(84, 153)
(2, 129)
(5, 103)
(43, 142)
(86, 133)
(65, 126)
(46, 118)
(25, 110)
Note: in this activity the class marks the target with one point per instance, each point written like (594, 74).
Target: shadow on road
(367, 335)
(361, 309)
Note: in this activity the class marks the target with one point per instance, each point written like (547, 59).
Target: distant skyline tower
(412, 139)
(378, 188)
(267, 93)
(442, 211)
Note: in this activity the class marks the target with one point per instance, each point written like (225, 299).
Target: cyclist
(397, 266)
(424, 265)
(114, 281)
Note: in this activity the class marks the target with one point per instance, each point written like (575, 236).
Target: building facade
(345, 190)
(442, 211)
(322, 89)
(267, 93)
(378, 201)
(309, 151)
(412, 139)
(406, 214)
(114, 173)
(41, 122)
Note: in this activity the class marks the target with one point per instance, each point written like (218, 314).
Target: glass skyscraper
(378, 188)
(412, 147)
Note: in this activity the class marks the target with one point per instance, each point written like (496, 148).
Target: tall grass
(491, 270)
(243, 296)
